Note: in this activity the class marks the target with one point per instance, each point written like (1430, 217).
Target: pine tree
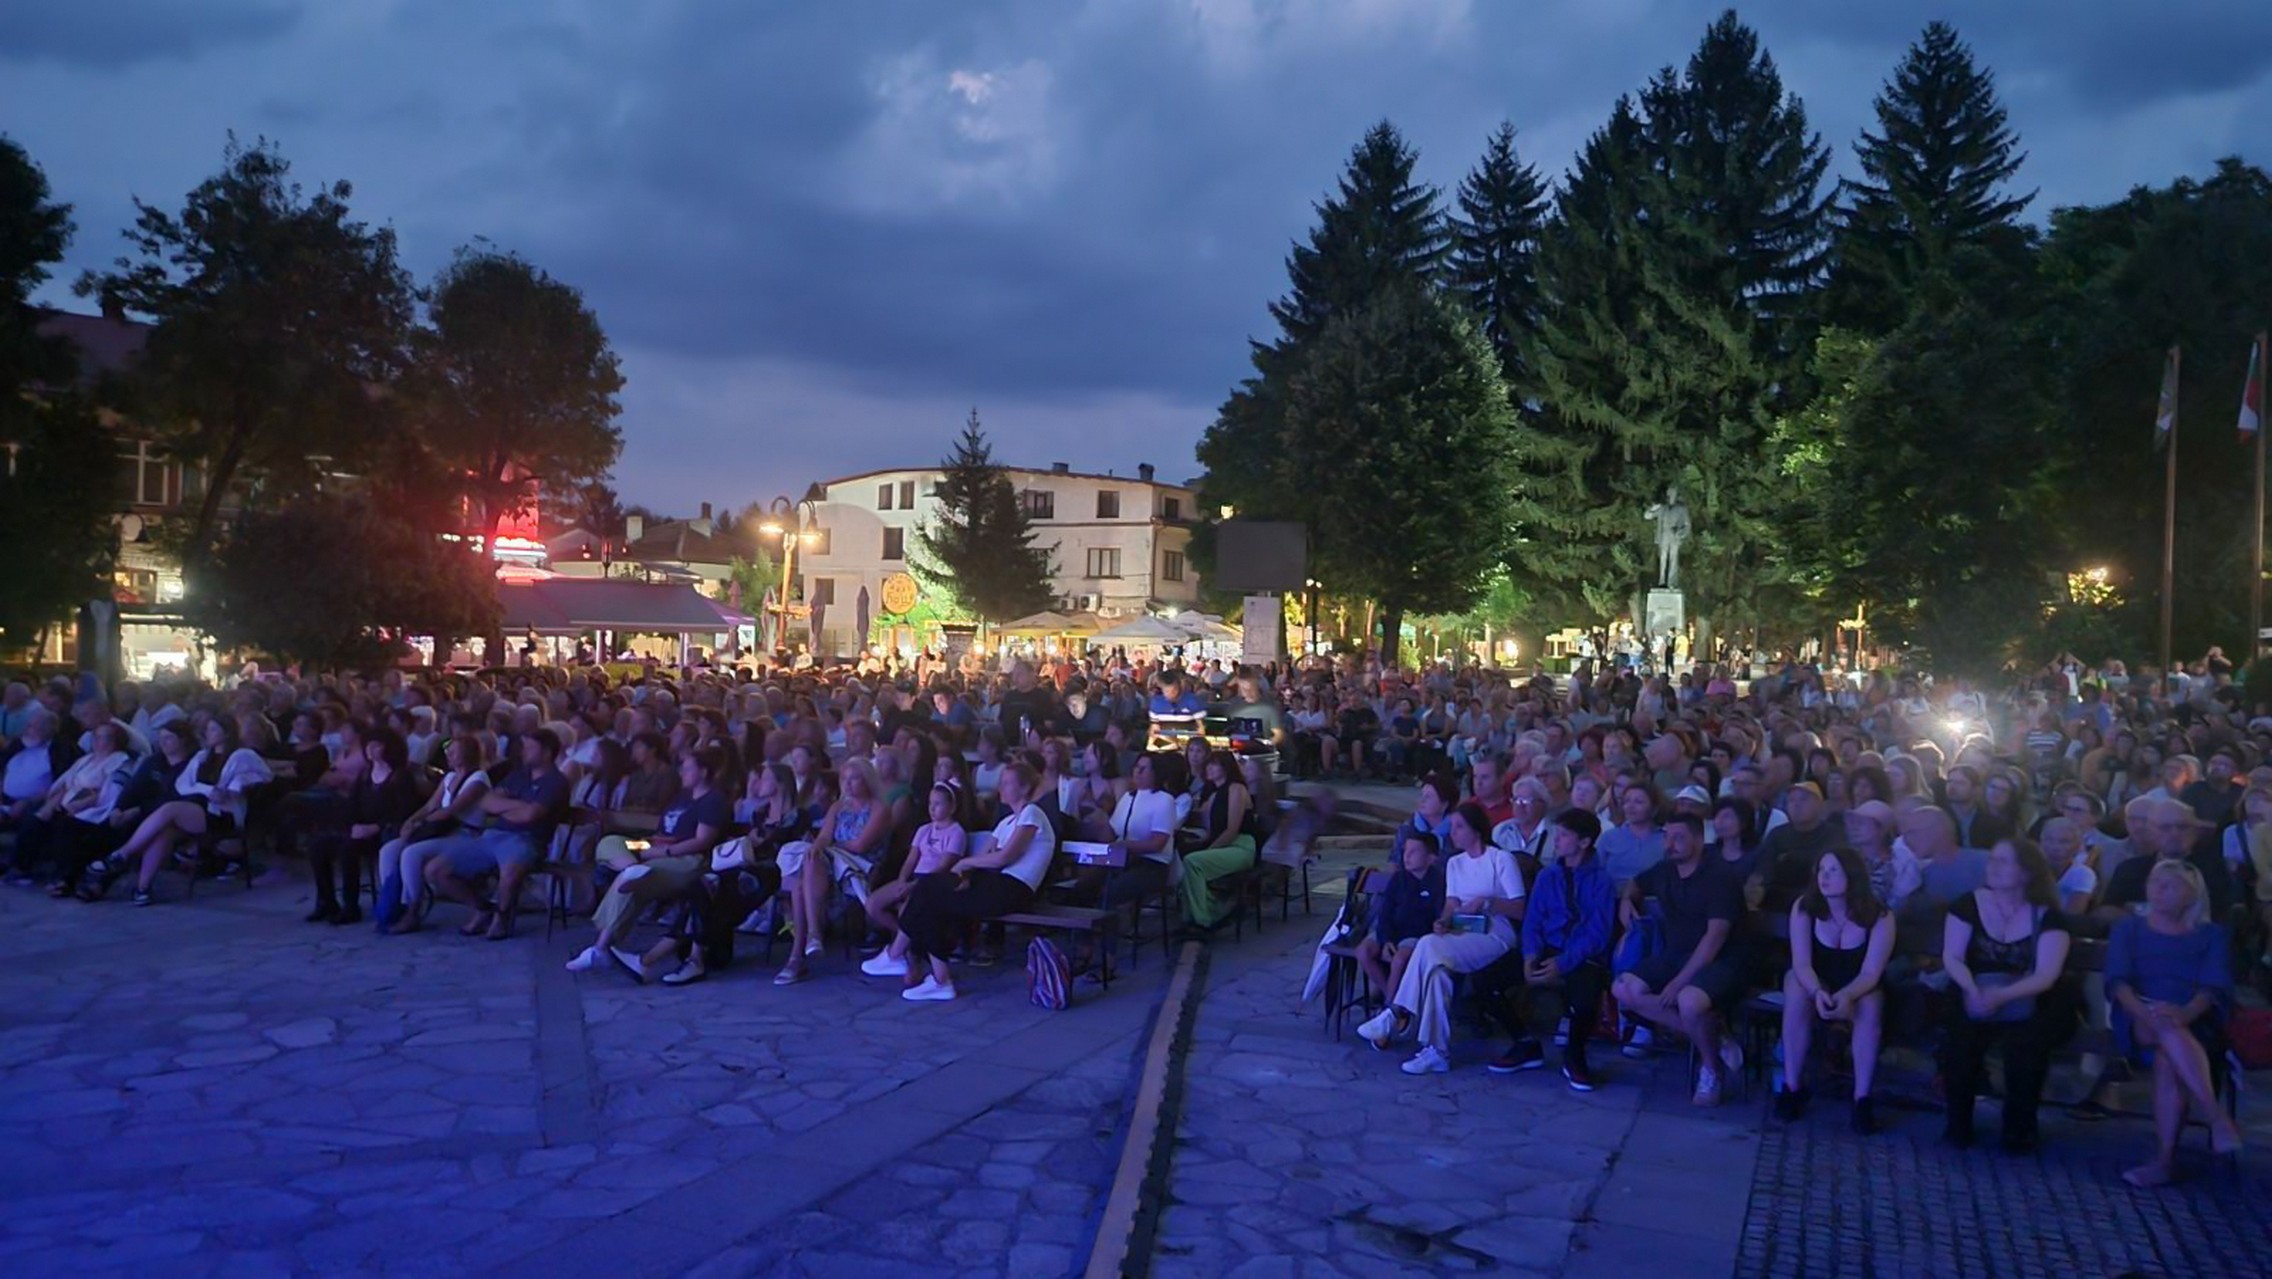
(1494, 247)
(1935, 180)
(980, 545)
(1381, 228)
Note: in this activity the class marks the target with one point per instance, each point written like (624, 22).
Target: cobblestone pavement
(215, 1088)
(1897, 1206)
(1301, 1155)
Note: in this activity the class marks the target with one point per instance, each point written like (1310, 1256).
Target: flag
(2252, 393)
(2165, 413)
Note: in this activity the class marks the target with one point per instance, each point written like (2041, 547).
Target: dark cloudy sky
(819, 230)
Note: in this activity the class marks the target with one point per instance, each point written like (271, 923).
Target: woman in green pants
(1224, 813)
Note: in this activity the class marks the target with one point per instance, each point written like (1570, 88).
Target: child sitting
(937, 847)
(1407, 911)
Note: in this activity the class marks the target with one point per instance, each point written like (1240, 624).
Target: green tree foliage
(980, 544)
(1380, 229)
(1492, 263)
(34, 230)
(276, 315)
(2188, 264)
(55, 480)
(1397, 423)
(54, 516)
(1935, 182)
(514, 383)
(340, 581)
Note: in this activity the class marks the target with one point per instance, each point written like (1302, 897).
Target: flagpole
(2169, 517)
(2256, 560)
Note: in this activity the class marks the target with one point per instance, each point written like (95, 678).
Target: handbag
(732, 855)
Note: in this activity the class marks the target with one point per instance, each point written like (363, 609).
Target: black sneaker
(1865, 1117)
(1577, 1074)
(1525, 1055)
(1790, 1104)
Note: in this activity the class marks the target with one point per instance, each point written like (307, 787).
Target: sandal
(791, 973)
(479, 924)
(501, 927)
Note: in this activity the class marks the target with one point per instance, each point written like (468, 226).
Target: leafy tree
(275, 314)
(979, 545)
(515, 383)
(2188, 264)
(55, 478)
(340, 581)
(54, 514)
(1935, 178)
(1397, 422)
(34, 230)
(1494, 245)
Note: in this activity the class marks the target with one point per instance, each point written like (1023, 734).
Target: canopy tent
(573, 605)
(1144, 630)
(1042, 623)
(1208, 628)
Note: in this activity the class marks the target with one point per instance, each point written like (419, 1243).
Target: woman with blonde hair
(853, 834)
(2168, 975)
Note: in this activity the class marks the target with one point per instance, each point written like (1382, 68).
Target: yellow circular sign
(899, 593)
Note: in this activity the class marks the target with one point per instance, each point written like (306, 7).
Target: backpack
(2250, 1030)
(1049, 979)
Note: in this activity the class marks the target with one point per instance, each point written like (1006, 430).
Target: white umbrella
(1143, 630)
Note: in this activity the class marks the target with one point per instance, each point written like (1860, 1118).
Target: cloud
(120, 33)
(952, 137)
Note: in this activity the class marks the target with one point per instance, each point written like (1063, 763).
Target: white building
(1118, 544)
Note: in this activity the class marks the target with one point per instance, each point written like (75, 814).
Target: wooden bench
(1095, 924)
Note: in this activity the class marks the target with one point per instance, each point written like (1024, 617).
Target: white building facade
(1118, 545)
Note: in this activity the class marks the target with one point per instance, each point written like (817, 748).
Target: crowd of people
(1639, 850)
(1647, 852)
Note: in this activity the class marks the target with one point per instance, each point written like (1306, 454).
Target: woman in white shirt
(997, 880)
(213, 790)
(1483, 903)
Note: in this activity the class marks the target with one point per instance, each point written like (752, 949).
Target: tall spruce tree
(1676, 275)
(979, 547)
(1502, 208)
(1935, 181)
(1379, 230)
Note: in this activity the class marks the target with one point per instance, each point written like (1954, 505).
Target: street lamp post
(792, 522)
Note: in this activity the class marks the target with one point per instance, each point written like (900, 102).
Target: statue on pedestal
(1671, 516)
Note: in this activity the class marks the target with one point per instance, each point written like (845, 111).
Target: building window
(1108, 504)
(907, 495)
(883, 497)
(1104, 561)
(895, 543)
(1171, 566)
(1039, 504)
(142, 477)
(820, 590)
(819, 540)
(1171, 508)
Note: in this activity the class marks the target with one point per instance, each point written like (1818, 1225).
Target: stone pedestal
(1666, 613)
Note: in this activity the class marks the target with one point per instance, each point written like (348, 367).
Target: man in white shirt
(33, 764)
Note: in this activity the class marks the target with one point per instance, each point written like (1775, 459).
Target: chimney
(702, 521)
(1144, 471)
(113, 308)
(1061, 468)
(634, 527)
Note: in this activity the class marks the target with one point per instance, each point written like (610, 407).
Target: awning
(570, 605)
(730, 616)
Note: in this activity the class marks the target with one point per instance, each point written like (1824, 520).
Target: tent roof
(567, 605)
(1144, 630)
(1042, 623)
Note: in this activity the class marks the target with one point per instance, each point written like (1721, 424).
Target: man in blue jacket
(1565, 948)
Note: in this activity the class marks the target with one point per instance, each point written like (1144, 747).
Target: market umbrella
(860, 620)
(1143, 630)
(813, 629)
(1042, 623)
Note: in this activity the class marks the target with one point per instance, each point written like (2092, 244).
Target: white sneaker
(586, 960)
(1707, 1085)
(930, 992)
(1731, 1055)
(633, 964)
(884, 965)
(1427, 1062)
(1637, 1047)
(1377, 1029)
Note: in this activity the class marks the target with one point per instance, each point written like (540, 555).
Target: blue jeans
(479, 852)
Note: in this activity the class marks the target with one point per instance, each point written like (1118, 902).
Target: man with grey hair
(2170, 829)
(15, 709)
(30, 766)
(2062, 841)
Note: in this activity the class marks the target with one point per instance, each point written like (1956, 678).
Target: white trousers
(1426, 991)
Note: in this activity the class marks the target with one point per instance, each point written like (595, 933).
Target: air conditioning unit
(1085, 603)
